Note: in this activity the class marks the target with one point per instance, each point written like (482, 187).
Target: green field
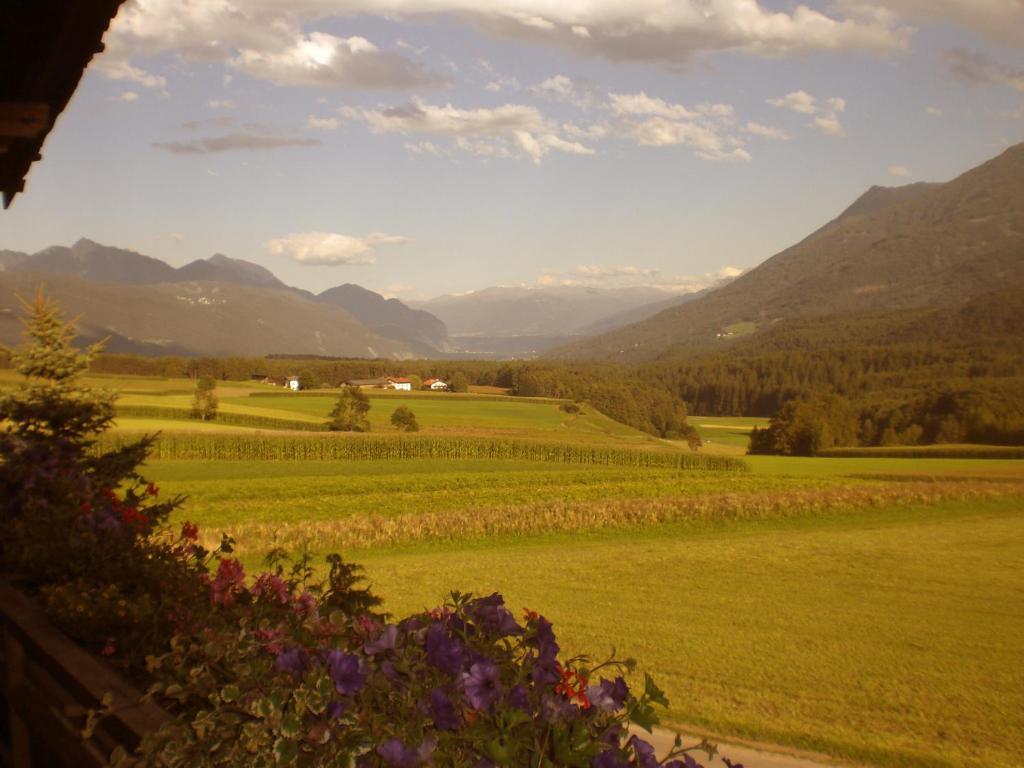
(867, 607)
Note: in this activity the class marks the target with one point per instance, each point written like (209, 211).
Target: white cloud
(829, 125)
(757, 129)
(933, 111)
(899, 170)
(220, 104)
(279, 39)
(562, 88)
(321, 59)
(266, 39)
(998, 20)
(631, 276)
(827, 113)
(322, 123)
(114, 69)
(654, 122)
(128, 96)
(797, 101)
(504, 83)
(327, 248)
(979, 69)
(505, 131)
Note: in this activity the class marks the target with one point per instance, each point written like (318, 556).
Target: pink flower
(230, 580)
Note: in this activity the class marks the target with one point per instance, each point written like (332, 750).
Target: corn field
(334, 447)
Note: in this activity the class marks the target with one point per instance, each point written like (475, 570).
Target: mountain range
(922, 245)
(190, 309)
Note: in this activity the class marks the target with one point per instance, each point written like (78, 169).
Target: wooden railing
(49, 684)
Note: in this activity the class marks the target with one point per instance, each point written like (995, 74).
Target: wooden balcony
(49, 684)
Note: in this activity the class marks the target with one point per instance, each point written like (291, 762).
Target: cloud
(283, 40)
(899, 170)
(231, 141)
(220, 104)
(631, 276)
(757, 129)
(267, 40)
(998, 20)
(502, 83)
(979, 69)
(114, 69)
(321, 59)
(653, 122)
(505, 131)
(933, 111)
(829, 125)
(128, 96)
(668, 32)
(797, 101)
(173, 237)
(562, 88)
(322, 123)
(826, 113)
(330, 248)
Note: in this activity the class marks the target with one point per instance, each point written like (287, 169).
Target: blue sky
(420, 147)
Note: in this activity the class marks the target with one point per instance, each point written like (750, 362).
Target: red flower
(132, 516)
(573, 686)
(152, 490)
(531, 615)
(189, 531)
(86, 507)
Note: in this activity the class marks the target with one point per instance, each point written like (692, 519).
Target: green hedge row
(230, 419)
(929, 452)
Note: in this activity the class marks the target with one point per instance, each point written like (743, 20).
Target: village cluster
(386, 382)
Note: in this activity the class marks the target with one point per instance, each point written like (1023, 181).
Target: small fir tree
(350, 412)
(204, 404)
(404, 419)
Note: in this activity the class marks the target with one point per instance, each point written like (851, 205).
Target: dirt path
(747, 756)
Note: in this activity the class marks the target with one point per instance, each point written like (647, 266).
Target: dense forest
(903, 378)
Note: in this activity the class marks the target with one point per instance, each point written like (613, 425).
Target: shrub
(404, 419)
(204, 403)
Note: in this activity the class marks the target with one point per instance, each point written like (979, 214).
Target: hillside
(412, 331)
(921, 246)
(424, 332)
(196, 318)
(534, 311)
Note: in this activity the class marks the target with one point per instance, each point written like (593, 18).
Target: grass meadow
(867, 607)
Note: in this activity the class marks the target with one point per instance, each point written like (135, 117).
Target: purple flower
(644, 752)
(609, 758)
(608, 696)
(517, 698)
(544, 670)
(482, 684)
(689, 762)
(294, 660)
(729, 763)
(397, 754)
(385, 641)
(443, 711)
(493, 617)
(345, 672)
(443, 651)
(334, 710)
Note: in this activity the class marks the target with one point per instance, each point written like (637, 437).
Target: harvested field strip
(372, 531)
(929, 452)
(223, 417)
(337, 447)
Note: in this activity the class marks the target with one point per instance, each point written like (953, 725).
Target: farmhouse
(380, 383)
(294, 384)
(436, 385)
(403, 384)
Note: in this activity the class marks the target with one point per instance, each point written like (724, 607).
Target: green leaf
(285, 751)
(291, 724)
(653, 692)
(643, 714)
(230, 693)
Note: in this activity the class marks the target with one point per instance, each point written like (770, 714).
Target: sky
(424, 147)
